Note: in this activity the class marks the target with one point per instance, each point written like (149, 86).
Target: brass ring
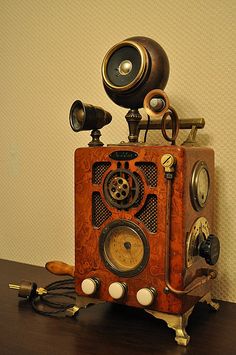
(142, 70)
(175, 125)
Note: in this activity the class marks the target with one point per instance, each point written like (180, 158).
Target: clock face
(124, 248)
(200, 185)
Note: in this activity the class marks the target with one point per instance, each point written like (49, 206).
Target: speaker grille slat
(148, 213)
(149, 169)
(99, 169)
(99, 211)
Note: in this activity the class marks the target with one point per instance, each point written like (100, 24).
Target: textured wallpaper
(50, 54)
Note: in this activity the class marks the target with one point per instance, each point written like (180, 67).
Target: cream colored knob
(89, 286)
(117, 290)
(146, 296)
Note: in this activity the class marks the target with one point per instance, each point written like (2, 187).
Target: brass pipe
(212, 273)
(184, 123)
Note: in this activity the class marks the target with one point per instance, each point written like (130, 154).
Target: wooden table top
(106, 329)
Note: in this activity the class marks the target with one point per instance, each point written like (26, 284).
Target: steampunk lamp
(86, 117)
(144, 230)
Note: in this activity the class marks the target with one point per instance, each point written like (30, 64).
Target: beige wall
(51, 53)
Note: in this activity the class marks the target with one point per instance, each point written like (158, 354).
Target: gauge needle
(127, 245)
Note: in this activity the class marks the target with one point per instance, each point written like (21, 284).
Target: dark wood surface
(106, 329)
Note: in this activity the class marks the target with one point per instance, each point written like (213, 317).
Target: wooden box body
(93, 213)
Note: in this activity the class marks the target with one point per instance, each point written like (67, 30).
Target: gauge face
(200, 185)
(124, 248)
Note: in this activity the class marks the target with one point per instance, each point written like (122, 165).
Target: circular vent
(121, 188)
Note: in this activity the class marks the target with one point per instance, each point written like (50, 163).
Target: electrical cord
(54, 300)
(147, 128)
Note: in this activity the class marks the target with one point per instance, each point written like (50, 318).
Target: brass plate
(200, 231)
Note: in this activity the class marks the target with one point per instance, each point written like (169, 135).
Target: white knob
(145, 296)
(117, 290)
(89, 286)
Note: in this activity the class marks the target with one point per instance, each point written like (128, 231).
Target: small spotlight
(156, 103)
(86, 117)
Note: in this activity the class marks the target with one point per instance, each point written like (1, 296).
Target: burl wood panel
(88, 261)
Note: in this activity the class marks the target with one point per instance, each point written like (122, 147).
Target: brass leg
(207, 298)
(176, 322)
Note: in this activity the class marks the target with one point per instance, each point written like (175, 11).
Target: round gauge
(124, 248)
(200, 185)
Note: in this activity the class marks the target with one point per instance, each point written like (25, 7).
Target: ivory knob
(89, 286)
(146, 296)
(117, 290)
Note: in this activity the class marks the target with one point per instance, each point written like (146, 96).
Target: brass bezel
(102, 246)
(200, 225)
(198, 205)
(142, 71)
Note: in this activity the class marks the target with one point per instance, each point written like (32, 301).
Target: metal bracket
(184, 123)
(179, 322)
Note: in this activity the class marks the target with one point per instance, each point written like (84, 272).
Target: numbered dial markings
(124, 248)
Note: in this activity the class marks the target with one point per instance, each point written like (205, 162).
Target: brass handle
(174, 127)
(60, 268)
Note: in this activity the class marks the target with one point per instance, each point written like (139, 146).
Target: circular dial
(209, 249)
(199, 232)
(200, 185)
(124, 248)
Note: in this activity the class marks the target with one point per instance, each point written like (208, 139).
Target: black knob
(210, 249)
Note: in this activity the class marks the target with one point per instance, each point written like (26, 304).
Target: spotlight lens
(125, 67)
(157, 104)
(77, 117)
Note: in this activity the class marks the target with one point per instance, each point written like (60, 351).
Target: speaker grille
(99, 211)
(99, 169)
(148, 213)
(149, 169)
